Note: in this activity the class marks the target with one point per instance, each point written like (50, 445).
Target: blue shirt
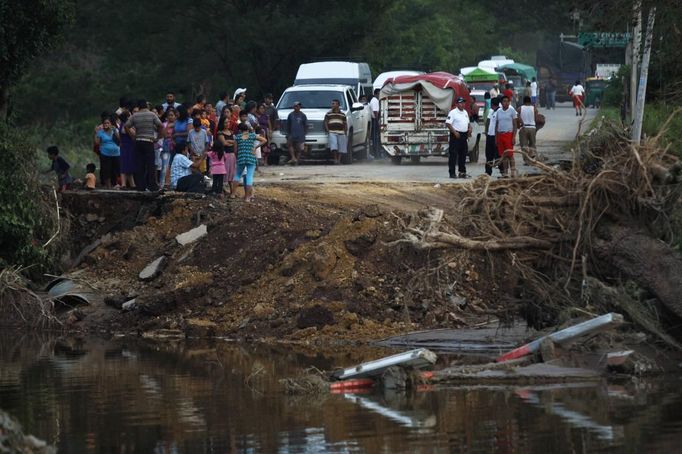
(107, 146)
(180, 168)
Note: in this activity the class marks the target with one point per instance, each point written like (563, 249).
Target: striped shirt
(336, 122)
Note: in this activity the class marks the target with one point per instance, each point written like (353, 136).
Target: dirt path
(561, 128)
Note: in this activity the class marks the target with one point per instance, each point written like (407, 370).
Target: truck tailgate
(412, 125)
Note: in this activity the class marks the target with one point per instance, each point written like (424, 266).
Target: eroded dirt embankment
(300, 263)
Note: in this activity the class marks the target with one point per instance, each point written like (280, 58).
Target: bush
(613, 94)
(25, 211)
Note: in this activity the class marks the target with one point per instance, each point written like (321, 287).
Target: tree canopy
(27, 29)
(136, 49)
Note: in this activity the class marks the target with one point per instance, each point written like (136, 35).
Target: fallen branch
(513, 243)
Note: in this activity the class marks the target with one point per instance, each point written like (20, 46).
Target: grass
(655, 116)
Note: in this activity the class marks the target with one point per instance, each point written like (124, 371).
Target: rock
(290, 265)
(360, 245)
(395, 378)
(263, 311)
(129, 305)
(372, 211)
(195, 327)
(313, 234)
(323, 262)
(116, 301)
(152, 270)
(91, 217)
(548, 350)
(192, 235)
(317, 316)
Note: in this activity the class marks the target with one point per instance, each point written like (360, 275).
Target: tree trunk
(651, 263)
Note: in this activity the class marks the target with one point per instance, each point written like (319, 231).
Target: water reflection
(121, 395)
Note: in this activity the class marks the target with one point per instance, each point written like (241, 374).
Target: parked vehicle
(413, 114)
(480, 81)
(355, 75)
(383, 77)
(316, 102)
(606, 70)
(594, 88)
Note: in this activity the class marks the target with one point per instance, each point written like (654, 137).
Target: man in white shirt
(170, 102)
(534, 91)
(490, 147)
(460, 129)
(577, 93)
(528, 129)
(505, 136)
(376, 139)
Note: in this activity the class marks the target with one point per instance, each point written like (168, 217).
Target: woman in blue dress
(246, 159)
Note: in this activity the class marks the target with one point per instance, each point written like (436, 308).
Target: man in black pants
(460, 129)
(144, 126)
(491, 155)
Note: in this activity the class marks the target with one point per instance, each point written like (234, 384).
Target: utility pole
(643, 78)
(634, 55)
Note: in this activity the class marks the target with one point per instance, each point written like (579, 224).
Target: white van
(355, 75)
(383, 77)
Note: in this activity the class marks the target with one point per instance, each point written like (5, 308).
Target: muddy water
(128, 396)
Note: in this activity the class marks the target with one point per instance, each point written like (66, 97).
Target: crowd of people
(178, 146)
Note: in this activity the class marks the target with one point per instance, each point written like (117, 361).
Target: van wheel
(473, 154)
(364, 153)
(415, 159)
(347, 158)
(396, 160)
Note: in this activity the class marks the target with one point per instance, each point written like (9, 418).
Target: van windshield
(313, 99)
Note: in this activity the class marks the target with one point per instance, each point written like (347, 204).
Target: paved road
(553, 140)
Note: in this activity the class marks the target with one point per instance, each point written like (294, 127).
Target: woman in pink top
(218, 159)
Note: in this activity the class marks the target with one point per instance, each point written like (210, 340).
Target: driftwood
(541, 231)
(651, 263)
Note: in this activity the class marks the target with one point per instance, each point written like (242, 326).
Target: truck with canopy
(413, 114)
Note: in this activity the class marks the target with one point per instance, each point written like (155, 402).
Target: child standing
(218, 160)
(90, 179)
(60, 167)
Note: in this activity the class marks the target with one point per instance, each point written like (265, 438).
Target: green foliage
(27, 28)
(25, 222)
(613, 94)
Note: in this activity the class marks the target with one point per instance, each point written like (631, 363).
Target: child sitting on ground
(90, 177)
(60, 167)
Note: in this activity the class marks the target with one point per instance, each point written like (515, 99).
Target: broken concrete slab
(534, 373)
(153, 270)
(192, 235)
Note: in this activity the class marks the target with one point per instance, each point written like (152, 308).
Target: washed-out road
(554, 140)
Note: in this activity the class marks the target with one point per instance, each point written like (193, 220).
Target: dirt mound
(299, 264)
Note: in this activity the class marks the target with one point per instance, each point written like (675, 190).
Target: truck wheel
(396, 160)
(415, 159)
(347, 158)
(364, 153)
(473, 154)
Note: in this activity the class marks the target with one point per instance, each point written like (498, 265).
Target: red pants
(578, 101)
(505, 142)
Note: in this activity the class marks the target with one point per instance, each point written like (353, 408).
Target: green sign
(605, 39)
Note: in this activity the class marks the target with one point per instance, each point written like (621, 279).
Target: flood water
(125, 396)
